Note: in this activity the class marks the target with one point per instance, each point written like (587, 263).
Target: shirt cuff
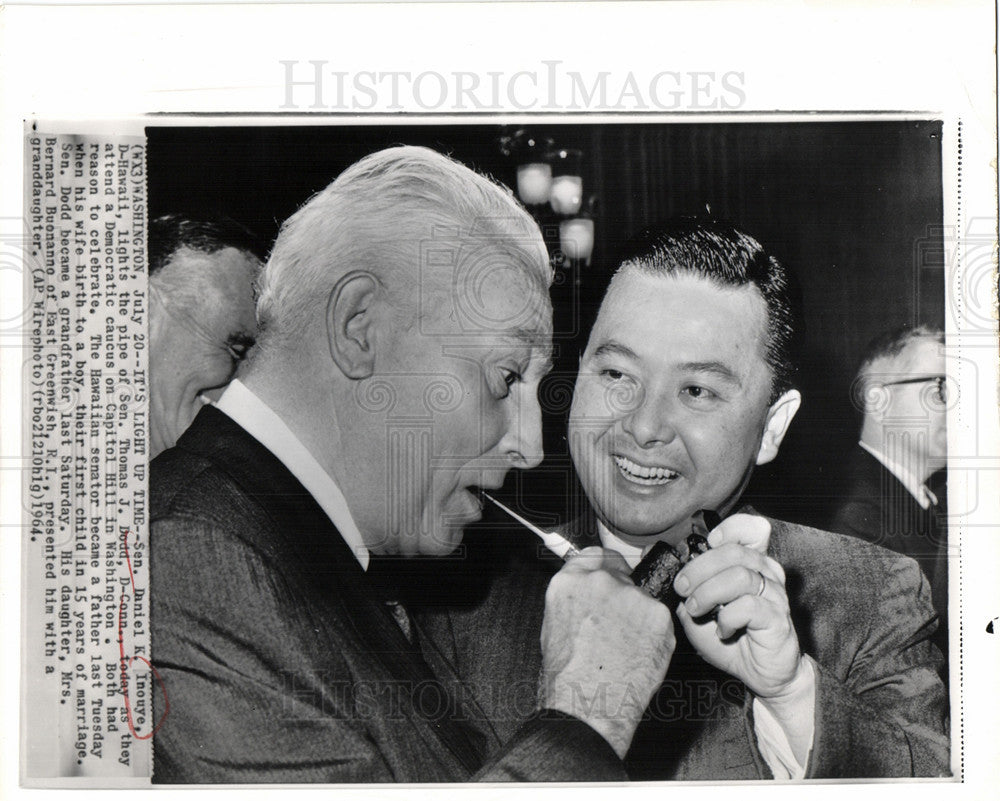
(776, 742)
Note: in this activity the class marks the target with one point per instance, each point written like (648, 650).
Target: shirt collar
(263, 424)
(914, 486)
(632, 554)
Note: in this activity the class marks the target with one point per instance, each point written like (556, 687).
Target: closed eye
(238, 347)
(509, 378)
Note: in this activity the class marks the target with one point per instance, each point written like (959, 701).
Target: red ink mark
(126, 664)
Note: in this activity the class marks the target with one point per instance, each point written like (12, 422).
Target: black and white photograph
(446, 418)
(641, 342)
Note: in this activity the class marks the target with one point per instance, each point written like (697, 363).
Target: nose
(522, 443)
(649, 423)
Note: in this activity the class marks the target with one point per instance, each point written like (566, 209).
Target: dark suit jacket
(876, 507)
(863, 613)
(279, 658)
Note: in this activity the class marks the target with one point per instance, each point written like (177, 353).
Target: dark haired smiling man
(800, 653)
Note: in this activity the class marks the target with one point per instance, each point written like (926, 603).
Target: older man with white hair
(404, 326)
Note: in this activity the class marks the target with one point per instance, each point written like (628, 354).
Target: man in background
(201, 316)
(405, 326)
(896, 491)
(800, 653)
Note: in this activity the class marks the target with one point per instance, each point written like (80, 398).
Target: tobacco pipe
(656, 572)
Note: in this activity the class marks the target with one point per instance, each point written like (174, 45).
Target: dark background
(854, 208)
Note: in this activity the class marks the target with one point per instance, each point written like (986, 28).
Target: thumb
(751, 531)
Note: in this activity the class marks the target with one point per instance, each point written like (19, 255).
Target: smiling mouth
(646, 476)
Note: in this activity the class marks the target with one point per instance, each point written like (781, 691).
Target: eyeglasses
(940, 381)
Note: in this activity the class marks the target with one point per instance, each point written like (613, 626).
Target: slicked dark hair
(172, 232)
(721, 253)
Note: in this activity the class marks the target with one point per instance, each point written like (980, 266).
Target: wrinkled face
(457, 406)
(670, 403)
(201, 325)
(916, 408)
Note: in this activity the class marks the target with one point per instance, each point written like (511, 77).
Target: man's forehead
(924, 355)
(638, 302)
(516, 308)
(631, 280)
(210, 292)
(227, 270)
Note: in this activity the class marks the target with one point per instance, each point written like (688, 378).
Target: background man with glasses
(896, 493)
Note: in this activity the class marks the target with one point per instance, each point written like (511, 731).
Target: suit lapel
(467, 706)
(309, 548)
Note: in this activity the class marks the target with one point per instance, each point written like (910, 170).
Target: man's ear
(350, 323)
(875, 400)
(158, 315)
(779, 417)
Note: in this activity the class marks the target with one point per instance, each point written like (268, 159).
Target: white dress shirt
(913, 485)
(772, 739)
(263, 424)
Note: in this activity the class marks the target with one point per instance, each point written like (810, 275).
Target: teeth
(644, 475)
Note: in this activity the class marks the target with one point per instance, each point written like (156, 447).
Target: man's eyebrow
(716, 368)
(612, 348)
(529, 336)
(538, 342)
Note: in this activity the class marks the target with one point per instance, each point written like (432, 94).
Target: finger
(753, 613)
(588, 559)
(753, 531)
(696, 629)
(597, 558)
(719, 559)
(724, 588)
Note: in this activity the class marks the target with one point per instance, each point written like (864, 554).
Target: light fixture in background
(576, 234)
(566, 194)
(531, 154)
(549, 182)
(534, 182)
(550, 185)
(576, 238)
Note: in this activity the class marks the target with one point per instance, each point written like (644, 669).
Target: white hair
(404, 214)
